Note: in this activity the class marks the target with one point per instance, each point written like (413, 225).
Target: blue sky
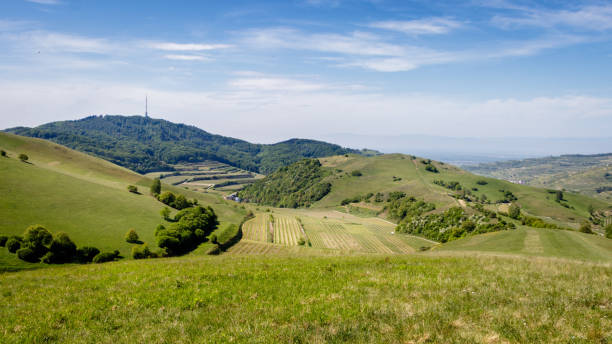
(271, 70)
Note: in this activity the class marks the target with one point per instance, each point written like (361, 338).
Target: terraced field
(207, 176)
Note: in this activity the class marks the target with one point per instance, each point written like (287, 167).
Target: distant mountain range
(145, 144)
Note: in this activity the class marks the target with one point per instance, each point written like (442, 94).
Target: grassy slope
(409, 299)
(536, 242)
(83, 196)
(378, 175)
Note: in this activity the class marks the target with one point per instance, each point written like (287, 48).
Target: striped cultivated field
(255, 247)
(287, 231)
(256, 229)
(367, 238)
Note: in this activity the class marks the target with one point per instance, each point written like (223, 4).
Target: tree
(13, 244)
(27, 254)
(64, 250)
(514, 211)
(559, 196)
(23, 157)
(608, 231)
(181, 237)
(37, 238)
(586, 228)
(356, 173)
(141, 252)
(181, 203)
(167, 198)
(156, 187)
(165, 213)
(132, 189)
(86, 254)
(105, 257)
(3, 240)
(2, 152)
(132, 237)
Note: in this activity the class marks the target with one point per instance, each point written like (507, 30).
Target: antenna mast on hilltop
(146, 106)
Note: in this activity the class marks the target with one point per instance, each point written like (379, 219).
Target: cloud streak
(596, 18)
(171, 46)
(431, 26)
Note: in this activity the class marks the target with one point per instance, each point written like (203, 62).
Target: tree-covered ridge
(297, 185)
(145, 144)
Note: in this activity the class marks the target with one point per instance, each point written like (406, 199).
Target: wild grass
(289, 299)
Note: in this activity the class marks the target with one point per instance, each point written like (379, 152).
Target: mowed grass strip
(273, 299)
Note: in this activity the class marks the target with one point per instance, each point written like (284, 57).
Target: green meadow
(295, 299)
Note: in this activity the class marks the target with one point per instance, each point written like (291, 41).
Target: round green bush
(13, 245)
(132, 237)
(63, 248)
(3, 240)
(104, 257)
(28, 255)
(48, 258)
(86, 254)
(141, 252)
(37, 238)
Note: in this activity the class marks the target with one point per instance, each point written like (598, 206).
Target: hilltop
(144, 144)
(587, 174)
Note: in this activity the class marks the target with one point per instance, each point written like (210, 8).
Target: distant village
(233, 197)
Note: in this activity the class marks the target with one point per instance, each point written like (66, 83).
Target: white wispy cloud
(420, 26)
(375, 52)
(45, 2)
(171, 46)
(275, 84)
(597, 18)
(356, 43)
(15, 25)
(186, 57)
(301, 112)
(54, 42)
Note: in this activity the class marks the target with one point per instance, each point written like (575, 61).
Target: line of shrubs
(37, 244)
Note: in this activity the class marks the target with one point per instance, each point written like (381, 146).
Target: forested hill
(145, 144)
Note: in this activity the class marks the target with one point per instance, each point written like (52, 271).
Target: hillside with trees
(144, 144)
(296, 185)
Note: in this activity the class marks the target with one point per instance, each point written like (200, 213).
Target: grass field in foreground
(365, 299)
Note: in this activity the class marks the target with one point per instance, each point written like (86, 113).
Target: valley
(413, 233)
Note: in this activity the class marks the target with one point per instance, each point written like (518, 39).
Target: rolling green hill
(395, 172)
(587, 174)
(532, 242)
(145, 144)
(85, 197)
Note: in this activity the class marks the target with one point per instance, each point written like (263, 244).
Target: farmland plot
(256, 229)
(287, 231)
